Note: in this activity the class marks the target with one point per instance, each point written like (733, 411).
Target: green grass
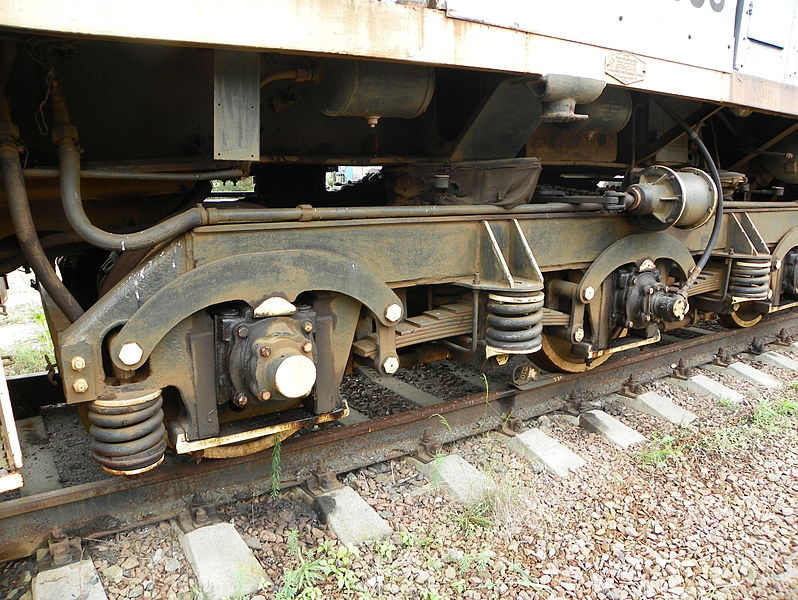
(663, 448)
(28, 356)
(775, 414)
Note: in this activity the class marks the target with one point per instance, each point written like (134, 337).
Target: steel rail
(111, 504)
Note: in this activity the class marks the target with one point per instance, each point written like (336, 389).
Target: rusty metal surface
(94, 508)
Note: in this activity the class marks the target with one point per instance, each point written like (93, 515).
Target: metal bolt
(78, 363)
(630, 324)
(647, 318)
(579, 334)
(393, 312)
(80, 385)
(777, 264)
(130, 353)
(264, 395)
(264, 351)
(588, 293)
(242, 332)
(240, 400)
(307, 347)
(390, 365)
(307, 326)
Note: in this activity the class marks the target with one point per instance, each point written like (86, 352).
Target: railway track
(98, 508)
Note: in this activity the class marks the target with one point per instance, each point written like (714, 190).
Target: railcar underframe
(547, 216)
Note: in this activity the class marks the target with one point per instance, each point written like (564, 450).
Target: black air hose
(22, 220)
(713, 171)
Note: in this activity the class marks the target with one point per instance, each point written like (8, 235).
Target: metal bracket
(631, 388)
(60, 550)
(199, 514)
(722, 358)
(756, 346)
(682, 372)
(512, 425)
(236, 105)
(428, 448)
(321, 482)
(525, 374)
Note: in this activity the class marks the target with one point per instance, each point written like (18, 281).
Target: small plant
(319, 564)
(772, 415)
(385, 549)
(475, 516)
(728, 404)
(665, 450)
(277, 465)
(408, 539)
(442, 421)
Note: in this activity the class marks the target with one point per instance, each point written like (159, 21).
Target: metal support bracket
(236, 105)
(60, 550)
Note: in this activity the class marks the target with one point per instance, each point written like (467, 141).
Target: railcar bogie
(549, 216)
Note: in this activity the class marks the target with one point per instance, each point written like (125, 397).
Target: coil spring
(750, 278)
(128, 436)
(515, 321)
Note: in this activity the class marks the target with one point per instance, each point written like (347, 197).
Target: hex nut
(264, 351)
(393, 313)
(390, 365)
(130, 353)
(80, 385)
(588, 293)
(78, 363)
(307, 326)
(265, 395)
(579, 334)
(307, 347)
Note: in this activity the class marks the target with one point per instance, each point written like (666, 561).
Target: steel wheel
(742, 316)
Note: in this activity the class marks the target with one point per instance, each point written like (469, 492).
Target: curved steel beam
(251, 278)
(633, 249)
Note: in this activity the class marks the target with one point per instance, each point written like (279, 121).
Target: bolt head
(630, 324)
(264, 351)
(777, 264)
(78, 363)
(390, 365)
(588, 293)
(307, 347)
(307, 326)
(264, 395)
(240, 400)
(579, 334)
(393, 313)
(242, 332)
(130, 353)
(80, 385)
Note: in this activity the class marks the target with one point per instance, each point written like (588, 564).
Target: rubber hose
(713, 171)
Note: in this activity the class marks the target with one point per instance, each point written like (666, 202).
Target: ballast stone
(610, 428)
(554, 456)
(702, 385)
(223, 563)
(774, 359)
(350, 518)
(459, 477)
(75, 581)
(658, 406)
